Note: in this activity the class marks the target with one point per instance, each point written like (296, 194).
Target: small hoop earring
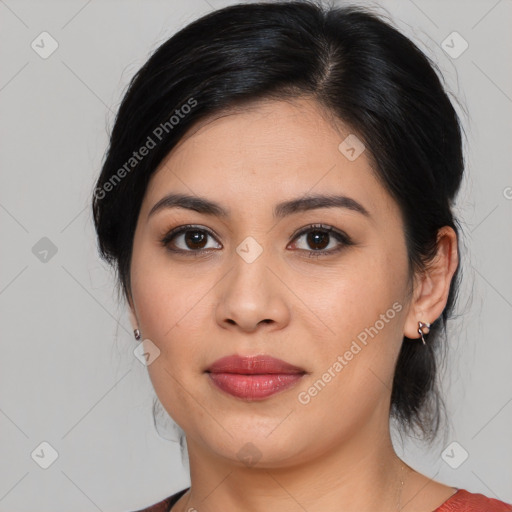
(421, 326)
(136, 333)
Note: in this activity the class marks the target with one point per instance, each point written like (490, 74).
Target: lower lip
(254, 387)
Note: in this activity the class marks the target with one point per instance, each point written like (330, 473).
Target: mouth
(253, 377)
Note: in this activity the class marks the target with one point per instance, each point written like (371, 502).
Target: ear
(432, 287)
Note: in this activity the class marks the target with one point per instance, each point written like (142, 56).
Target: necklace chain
(401, 488)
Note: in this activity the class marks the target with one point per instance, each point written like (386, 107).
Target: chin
(254, 448)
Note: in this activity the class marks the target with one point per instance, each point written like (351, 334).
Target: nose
(251, 295)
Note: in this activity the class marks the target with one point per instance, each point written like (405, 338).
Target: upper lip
(257, 364)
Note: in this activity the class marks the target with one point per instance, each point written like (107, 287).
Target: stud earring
(423, 328)
(136, 333)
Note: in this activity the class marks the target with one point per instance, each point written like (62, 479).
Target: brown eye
(321, 240)
(188, 239)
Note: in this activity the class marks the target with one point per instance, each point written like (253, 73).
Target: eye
(323, 240)
(188, 238)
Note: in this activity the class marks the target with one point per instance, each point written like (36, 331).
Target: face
(323, 287)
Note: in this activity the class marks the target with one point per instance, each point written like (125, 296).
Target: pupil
(315, 238)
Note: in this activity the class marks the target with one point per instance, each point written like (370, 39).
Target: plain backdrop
(73, 397)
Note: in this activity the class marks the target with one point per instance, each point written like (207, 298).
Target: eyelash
(338, 235)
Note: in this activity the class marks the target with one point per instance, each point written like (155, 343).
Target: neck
(362, 474)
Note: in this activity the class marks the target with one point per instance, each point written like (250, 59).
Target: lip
(253, 377)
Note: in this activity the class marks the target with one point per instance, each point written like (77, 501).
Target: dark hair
(358, 68)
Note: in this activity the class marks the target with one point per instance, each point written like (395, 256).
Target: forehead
(265, 152)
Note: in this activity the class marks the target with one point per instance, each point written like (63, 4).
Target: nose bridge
(251, 291)
(250, 261)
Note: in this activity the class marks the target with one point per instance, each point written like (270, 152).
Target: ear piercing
(423, 328)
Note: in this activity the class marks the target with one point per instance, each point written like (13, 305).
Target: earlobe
(433, 286)
(133, 317)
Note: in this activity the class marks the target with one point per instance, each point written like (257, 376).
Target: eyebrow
(309, 202)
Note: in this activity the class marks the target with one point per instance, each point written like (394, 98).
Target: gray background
(68, 375)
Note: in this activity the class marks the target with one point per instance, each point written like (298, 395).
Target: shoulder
(166, 504)
(465, 501)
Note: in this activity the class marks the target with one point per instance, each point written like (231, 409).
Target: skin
(306, 311)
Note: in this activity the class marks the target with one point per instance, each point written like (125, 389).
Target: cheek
(354, 296)
(162, 296)
(171, 309)
(170, 316)
(364, 310)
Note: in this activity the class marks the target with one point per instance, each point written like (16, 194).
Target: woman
(276, 199)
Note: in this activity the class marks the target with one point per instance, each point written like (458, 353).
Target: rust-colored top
(461, 501)
(464, 501)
